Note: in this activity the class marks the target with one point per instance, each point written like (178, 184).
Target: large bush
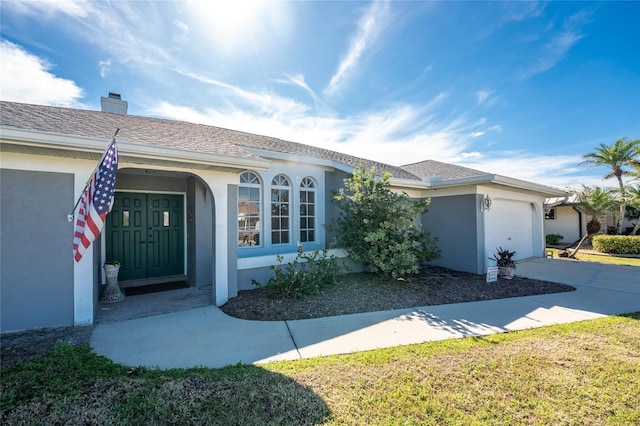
(617, 244)
(378, 227)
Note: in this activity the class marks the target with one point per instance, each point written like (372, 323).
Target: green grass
(614, 260)
(578, 373)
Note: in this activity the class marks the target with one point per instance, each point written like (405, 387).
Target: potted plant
(505, 263)
(112, 292)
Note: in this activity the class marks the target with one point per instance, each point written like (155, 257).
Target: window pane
(284, 237)
(249, 209)
(243, 193)
(307, 210)
(125, 218)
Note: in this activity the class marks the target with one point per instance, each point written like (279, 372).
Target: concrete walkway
(208, 337)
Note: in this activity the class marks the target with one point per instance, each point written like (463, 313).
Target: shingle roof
(169, 133)
(436, 169)
(102, 125)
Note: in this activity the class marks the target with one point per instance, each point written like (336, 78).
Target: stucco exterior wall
(566, 223)
(36, 272)
(453, 219)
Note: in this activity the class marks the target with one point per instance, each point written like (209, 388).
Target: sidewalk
(208, 337)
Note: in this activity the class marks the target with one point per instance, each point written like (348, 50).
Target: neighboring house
(563, 217)
(208, 205)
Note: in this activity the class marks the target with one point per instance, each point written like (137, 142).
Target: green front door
(145, 232)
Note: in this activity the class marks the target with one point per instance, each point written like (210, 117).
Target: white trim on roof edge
(477, 180)
(98, 145)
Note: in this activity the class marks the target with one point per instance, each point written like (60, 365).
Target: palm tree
(633, 200)
(595, 202)
(623, 153)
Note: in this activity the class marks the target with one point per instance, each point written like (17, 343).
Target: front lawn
(602, 258)
(578, 373)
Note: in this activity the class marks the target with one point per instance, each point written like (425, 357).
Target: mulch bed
(366, 292)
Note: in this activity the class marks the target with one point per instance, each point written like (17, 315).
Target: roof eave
(479, 180)
(528, 186)
(36, 138)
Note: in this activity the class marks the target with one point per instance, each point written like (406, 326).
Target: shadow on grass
(76, 386)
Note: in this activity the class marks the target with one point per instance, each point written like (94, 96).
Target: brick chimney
(114, 104)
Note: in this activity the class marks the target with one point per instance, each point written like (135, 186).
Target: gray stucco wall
(141, 182)
(455, 220)
(333, 181)
(200, 233)
(36, 261)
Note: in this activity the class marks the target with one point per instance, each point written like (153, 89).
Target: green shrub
(378, 227)
(617, 244)
(553, 239)
(308, 274)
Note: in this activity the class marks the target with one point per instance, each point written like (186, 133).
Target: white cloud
(555, 170)
(372, 23)
(49, 8)
(559, 46)
(516, 11)
(298, 81)
(482, 96)
(554, 52)
(27, 78)
(182, 35)
(105, 67)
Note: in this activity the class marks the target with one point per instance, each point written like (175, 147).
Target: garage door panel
(509, 224)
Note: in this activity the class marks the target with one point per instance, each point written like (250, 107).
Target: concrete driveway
(208, 337)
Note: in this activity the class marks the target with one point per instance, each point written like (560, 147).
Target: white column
(220, 252)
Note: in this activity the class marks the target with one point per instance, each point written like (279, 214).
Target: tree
(594, 201)
(378, 227)
(633, 200)
(623, 153)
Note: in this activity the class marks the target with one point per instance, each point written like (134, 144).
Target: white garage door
(509, 224)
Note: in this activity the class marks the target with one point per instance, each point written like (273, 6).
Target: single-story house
(209, 205)
(563, 217)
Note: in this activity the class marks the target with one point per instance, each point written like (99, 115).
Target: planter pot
(506, 272)
(112, 292)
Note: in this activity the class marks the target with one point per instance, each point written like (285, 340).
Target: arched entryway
(161, 228)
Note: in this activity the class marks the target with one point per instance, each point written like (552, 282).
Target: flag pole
(70, 215)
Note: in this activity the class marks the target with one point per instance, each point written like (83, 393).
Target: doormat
(155, 288)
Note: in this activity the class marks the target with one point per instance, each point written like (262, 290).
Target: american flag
(96, 202)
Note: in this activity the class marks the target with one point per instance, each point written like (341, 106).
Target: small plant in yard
(505, 263)
(554, 239)
(504, 258)
(307, 274)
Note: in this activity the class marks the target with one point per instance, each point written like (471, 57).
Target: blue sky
(521, 89)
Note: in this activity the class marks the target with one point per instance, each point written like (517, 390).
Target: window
(280, 189)
(307, 210)
(550, 214)
(249, 209)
